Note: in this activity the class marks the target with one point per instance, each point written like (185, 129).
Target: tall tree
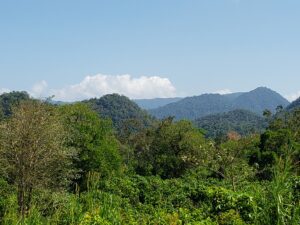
(32, 150)
(94, 140)
(283, 131)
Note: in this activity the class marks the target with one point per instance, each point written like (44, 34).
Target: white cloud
(4, 90)
(39, 89)
(99, 85)
(223, 92)
(293, 97)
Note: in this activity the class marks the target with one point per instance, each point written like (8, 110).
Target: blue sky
(75, 49)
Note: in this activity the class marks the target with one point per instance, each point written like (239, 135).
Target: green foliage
(8, 100)
(161, 172)
(6, 191)
(173, 148)
(230, 218)
(279, 200)
(192, 200)
(240, 121)
(32, 151)
(119, 109)
(283, 133)
(230, 162)
(93, 139)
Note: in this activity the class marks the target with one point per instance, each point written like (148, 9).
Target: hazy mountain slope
(260, 99)
(295, 104)
(155, 103)
(194, 107)
(241, 121)
(198, 106)
(233, 96)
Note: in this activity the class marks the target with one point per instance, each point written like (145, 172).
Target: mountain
(233, 96)
(155, 103)
(194, 107)
(199, 106)
(241, 121)
(260, 99)
(119, 109)
(295, 104)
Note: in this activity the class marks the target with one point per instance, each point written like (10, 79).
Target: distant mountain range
(217, 114)
(192, 108)
(155, 103)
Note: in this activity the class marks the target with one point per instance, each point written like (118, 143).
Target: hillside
(118, 108)
(241, 121)
(199, 106)
(260, 99)
(295, 104)
(194, 107)
(155, 103)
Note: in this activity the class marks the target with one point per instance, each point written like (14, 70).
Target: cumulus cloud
(223, 92)
(39, 89)
(99, 85)
(4, 90)
(293, 97)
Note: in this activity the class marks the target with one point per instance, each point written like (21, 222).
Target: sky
(77, 49)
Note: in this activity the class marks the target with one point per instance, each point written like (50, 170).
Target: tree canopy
(93, 139)
(32, 150)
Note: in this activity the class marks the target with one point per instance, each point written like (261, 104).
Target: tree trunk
(21, 200)
(233, 184)
(29, 197)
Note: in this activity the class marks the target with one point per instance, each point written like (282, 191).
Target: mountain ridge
(196, 107)
(155, 102)
(295, 104)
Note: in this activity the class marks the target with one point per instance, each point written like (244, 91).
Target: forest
(106, 161)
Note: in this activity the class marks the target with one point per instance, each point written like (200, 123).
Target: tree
(283, 130)
(8, 100)
(32, 151)
(93, 139)
(171, 149)
(230, 162)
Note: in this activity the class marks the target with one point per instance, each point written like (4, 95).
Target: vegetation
(259, 100)
(93, 140)
(66, 164)
(32, 151)
(196, 107)
(242, 122)
(119, 109)
(7, 100)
